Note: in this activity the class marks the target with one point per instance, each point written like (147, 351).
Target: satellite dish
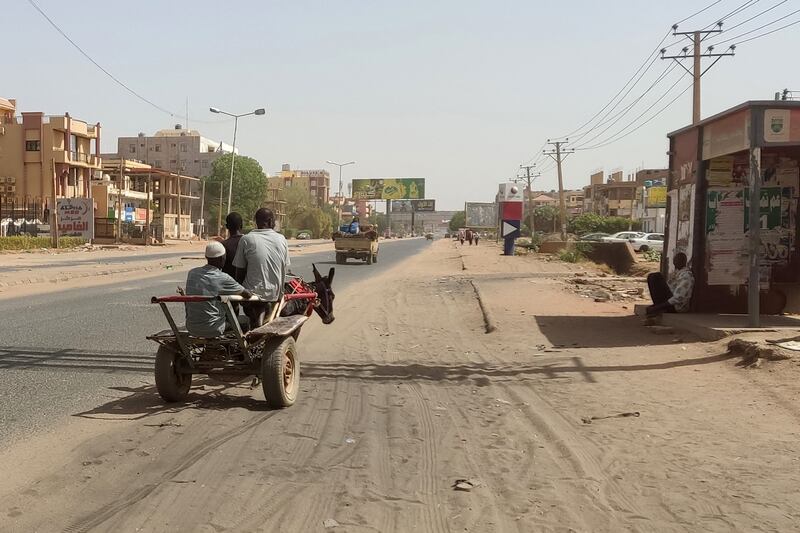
(514, 189)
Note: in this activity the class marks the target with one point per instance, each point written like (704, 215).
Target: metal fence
(23, 216)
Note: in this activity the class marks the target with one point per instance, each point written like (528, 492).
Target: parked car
(623, 236)
(593, 237)
(649, 241)
(304, 235)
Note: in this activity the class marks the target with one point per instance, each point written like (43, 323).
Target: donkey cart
(267, 352)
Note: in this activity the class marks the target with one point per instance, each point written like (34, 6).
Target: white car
(623, 236)
(649, 241)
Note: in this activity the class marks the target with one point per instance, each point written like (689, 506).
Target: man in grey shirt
(262, 261)
(207, 319)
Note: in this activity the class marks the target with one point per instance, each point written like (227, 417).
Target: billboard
(76, 217)
(389, 189)
(657, 197)
(416, 206)
(480, 215)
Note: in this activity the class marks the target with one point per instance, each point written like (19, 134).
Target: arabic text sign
(480, 215)
(76, 217)
(657, 197)
(416, 206)
(389, 189)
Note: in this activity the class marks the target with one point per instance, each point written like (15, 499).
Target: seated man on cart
(208, 319)
(262, 262)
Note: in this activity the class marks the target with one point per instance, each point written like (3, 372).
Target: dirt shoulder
(405, 394)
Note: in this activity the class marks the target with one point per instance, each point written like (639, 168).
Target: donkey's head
(322, 286)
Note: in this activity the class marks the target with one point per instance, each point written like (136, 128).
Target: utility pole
(529, 179)
(559, 155)
(697, 71)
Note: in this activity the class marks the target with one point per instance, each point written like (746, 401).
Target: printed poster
(726, 247)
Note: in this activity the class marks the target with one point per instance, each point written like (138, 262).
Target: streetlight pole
(341, 200)
(259, 111)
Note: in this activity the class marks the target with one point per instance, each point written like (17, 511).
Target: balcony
(81, 159)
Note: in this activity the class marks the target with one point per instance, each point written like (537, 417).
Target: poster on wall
(777, 124)
(685, 219)
(726, 250)
(720, 171)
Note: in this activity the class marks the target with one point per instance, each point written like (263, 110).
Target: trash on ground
(466, 485)
(588, 419)
(350, 440)
(330, 523)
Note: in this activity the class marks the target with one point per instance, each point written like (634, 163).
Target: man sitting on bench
(208, 319)
(674, 294)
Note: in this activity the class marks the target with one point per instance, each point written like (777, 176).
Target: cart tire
(644, 248)
(171, 386)
(280, 372)
(374, 258)
(340, 259)
(369, 259)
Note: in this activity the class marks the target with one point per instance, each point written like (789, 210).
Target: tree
(458, 221)
(379, 221)
(317, 222)
(298, 202)
(249, 188)
(544, 217)
(592, 223)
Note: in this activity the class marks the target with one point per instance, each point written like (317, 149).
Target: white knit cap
(214, 249)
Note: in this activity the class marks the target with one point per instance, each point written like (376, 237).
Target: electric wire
(759, 28)
(109, 74)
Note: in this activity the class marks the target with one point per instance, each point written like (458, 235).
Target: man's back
(207, 319)
(264, 255)
(231, 244)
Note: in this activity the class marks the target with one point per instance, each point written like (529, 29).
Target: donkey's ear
(317, 277)
(331, 272)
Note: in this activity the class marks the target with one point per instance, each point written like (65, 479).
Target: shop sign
(777, 125)
(76, 217)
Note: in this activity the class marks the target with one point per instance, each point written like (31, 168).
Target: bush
(26, 242)
(289, 233)
(592, 223)
(575, 253)
(652, 255)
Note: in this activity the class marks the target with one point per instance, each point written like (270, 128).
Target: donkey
(325, 296)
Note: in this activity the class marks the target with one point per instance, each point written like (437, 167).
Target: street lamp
(259, 111)
(340, 165)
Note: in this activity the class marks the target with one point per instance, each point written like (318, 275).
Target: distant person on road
(461, 236)
(671, 295)
(262, 262)
(476, 237)
(207, 319)
(468, 235)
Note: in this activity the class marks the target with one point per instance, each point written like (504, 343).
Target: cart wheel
(280, 372)
(340, 259)
(374, 258)
(171, 385)
(369, 259)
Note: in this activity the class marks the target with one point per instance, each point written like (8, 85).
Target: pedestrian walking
(477, 237)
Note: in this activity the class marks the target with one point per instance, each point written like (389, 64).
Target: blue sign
(509, 229)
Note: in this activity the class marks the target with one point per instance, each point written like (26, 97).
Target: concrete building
(613, 198)
(43, 157)
(176, 150)
(573, 200)
(316, 182)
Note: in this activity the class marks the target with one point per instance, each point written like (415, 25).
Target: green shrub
(652, 255)
(289, 233)
(593, 223)
(26, 242)
(575, 252)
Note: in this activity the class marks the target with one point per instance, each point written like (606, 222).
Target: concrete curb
(488, 319)
(69, 277)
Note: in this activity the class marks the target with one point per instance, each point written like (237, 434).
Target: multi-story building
(177, 150)
(615, 197)
(573, 200)
(316, 182)
(45, 157)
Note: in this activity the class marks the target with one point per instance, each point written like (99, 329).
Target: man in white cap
(207, 319)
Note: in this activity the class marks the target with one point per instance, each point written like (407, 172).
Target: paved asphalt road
(65, 352)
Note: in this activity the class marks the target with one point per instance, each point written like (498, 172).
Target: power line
(611, 141)
(109, 74)
(709, 6)
(759, 28)
(756, 16)
(769, 32)
(743, 7)
(666, 93)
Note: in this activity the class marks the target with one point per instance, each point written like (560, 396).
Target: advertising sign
(510, 192)
(657, 197)
(777, 125)
(481, 215)
(76, 217)
(389, 188)
(416, 206)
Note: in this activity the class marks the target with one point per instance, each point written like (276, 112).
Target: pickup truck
(362, 246)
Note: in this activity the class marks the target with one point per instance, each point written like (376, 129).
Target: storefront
(713, 167)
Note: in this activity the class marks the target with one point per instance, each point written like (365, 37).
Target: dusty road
(405, 394)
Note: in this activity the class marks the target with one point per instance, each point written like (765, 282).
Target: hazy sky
(457, 91)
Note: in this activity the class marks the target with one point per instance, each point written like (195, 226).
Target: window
(157, 164)
(183, 147)
(158, 148)
(132, 149)
(33, 146)
(173, 145)
(205, 163)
